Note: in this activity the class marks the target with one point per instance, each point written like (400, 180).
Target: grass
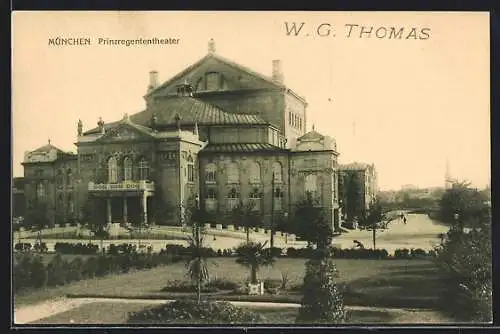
(107, 313)
(385, 283)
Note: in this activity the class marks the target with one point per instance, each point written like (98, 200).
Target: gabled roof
(222, 60)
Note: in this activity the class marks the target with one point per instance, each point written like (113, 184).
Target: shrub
(40, 247)
(56, 271)
(189, 311)
(22, 246)
(276, 251)
(402, 253)
(222, 284)
(186, 286)
(38, 273)
(78, 248)
(75, 270)
(322, 301)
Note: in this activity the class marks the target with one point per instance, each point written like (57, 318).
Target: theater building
(216, 131)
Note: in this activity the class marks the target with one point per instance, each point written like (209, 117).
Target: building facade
(358, 187)
(217, 131)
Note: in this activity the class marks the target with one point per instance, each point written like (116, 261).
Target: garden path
(31, 313)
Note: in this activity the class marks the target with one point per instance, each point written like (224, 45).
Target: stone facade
(358, 180)
(217, 132)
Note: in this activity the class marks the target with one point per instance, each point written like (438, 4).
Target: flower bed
(189, 312)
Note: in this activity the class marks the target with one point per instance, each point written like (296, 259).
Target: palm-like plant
(254, 255)
(196, 262)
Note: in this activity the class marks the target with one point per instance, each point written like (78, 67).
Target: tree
(253, 255)
(464, 201)
(37, 217)
(374, 216)
(322, 301)
(466, 258)
(196, 263)
(310, 223)
(245, 215)
(93, 213)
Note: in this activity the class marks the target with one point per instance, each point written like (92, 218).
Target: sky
(405, 104)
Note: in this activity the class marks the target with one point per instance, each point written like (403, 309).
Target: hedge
(31, 272)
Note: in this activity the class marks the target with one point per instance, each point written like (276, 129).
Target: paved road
(418, 232)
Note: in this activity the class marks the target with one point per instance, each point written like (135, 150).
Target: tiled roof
(190, 110)
(355, 166)
(244, 147)
(48, 148)
(311, 135)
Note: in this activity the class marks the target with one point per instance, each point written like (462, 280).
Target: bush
(276, 251)
(322, 301)
(40, 247)
(56, 271)
(78, 248)
(185, 286)
(22, 246)
(38, 273)
(222, 284)
(402, 253)
(188, 311)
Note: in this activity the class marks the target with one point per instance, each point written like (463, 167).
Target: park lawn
(107, 313)
(385, 283)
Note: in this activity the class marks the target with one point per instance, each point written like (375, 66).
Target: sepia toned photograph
(251, 168)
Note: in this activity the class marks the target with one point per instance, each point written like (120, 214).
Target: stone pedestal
(256, 289)
(230, 227)
(218, 227)
(207, 226)
(261, 230)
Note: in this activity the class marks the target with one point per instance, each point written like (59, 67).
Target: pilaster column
(125, 209)
(108, 206)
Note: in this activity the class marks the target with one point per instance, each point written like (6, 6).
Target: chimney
(153, 80)
(211, 46)
(277, 71)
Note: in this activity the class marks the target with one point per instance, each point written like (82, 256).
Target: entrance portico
(129, 193)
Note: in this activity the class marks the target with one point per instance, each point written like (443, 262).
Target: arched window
(210, 173)
(40, 191)
(127, 169)
(112, 170)
(190, 169)
(233, 173)
(143, 169)
(68, 176)
(311, 185)
(254, 173)
(277, 170)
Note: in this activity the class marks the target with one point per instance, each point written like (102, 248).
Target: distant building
(50, 175)
(216, 131)
(358, 183)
